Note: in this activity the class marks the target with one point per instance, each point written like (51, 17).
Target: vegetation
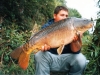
(93, 49)
(19, 19)
(74, 12)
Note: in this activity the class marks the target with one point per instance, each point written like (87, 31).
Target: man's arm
(76, 44)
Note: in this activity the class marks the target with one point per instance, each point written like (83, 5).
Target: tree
(22, 12)
(74, 13)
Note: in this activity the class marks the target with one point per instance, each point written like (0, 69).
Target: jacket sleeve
(48, 23)
(45, 25)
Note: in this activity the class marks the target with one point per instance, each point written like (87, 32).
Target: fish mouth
(85, 28)
(89, 25)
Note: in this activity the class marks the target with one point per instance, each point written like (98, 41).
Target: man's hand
(45, 47)
(77, 37)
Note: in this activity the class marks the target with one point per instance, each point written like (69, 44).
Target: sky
(87, 8)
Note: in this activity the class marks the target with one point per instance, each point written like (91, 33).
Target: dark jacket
(66, 49)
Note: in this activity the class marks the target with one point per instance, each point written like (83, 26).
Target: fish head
(82, 25)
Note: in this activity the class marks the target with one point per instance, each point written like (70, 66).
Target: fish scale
(55, 26)
(50, 29)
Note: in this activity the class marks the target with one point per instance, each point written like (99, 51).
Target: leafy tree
(96, 33)
(74, 13)
(22, 12)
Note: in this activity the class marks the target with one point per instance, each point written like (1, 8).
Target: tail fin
(16, 53)
(24, 60)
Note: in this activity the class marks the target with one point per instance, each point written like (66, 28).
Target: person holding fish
(71, 60)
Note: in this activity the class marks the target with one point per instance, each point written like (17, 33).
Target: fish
(57, 35)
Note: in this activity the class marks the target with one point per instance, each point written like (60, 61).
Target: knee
(78, 64)
(42, 57)
(38, 56)
(81, 60)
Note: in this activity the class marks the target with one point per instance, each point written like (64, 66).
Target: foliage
(92, 53)
(74, 13)
(22, 12)
(96, 33)
(96, 48)
(9, 40)
(98, 4)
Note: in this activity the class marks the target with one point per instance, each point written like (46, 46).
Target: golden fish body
(56, 35)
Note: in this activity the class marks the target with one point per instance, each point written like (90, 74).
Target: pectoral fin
(60, 49)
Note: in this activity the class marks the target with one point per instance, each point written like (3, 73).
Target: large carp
(56, 35)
